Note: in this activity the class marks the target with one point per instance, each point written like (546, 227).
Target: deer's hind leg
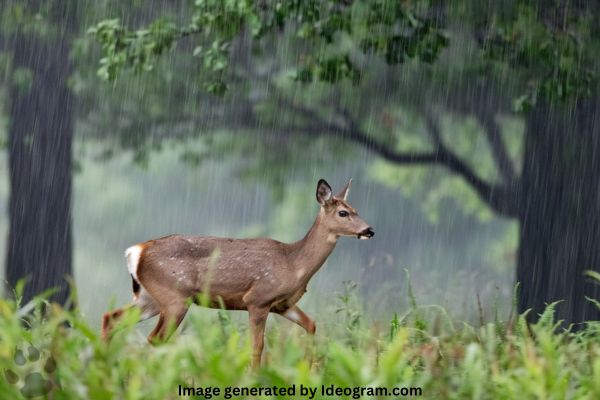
(148, 306)
(108, 320)
(142, 300)
(168, 321)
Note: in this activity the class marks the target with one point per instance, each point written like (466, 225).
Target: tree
(40, 136)
(38, 37)
(533, 58)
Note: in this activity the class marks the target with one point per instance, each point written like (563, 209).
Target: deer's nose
(369, 232)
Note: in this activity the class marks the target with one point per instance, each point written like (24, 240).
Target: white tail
(257, 275)
(132, 255)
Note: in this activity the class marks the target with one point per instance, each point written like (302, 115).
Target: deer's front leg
(297, 316)
(258, 320)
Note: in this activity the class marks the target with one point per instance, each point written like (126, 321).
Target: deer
(260, 276)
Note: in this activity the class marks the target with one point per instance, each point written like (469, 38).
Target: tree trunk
(560, 211)
(40, 135)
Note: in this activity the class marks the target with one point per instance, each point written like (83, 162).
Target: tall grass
(497, 360)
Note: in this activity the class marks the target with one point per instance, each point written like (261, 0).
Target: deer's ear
(323, 192)
(343, 194)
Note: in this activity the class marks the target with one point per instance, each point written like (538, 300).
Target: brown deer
(257, 275)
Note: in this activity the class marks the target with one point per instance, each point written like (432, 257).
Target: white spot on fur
(132, 254)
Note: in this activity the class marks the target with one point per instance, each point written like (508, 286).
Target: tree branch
(483, 102)
(498, 197)
(498, 147)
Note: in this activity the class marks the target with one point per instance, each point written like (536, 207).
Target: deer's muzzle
(366, 234)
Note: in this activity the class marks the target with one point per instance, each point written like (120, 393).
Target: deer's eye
(343, 214)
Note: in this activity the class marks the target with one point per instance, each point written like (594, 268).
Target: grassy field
(423, 353)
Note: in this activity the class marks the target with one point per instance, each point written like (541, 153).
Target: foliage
(554, 50)
(391, 29)
(493, 361)
(557, 54)
(351, 313)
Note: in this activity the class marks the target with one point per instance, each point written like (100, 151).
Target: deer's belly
(222, 292)
(227, 301)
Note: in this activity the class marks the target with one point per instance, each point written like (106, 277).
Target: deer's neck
(309, 253)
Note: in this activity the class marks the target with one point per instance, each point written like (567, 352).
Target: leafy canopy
(551, 48)
(336, 30)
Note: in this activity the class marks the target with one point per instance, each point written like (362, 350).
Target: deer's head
(338, 215)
